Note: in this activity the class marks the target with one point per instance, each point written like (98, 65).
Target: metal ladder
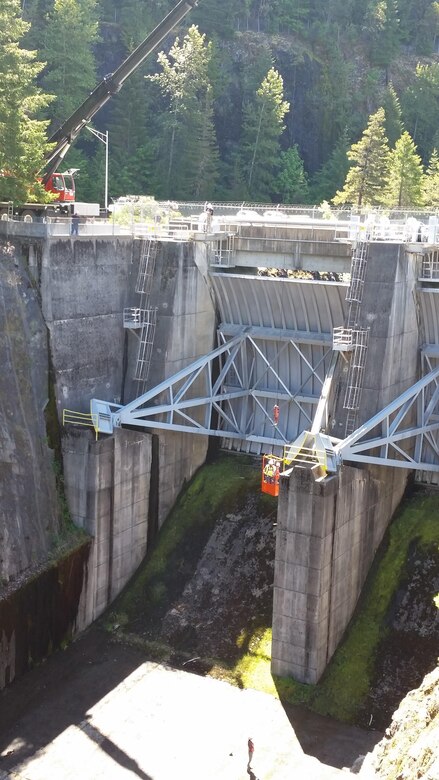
(354, 385)
(353, 339)
(143, 318)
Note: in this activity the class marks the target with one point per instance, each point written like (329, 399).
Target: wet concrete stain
(40, 616)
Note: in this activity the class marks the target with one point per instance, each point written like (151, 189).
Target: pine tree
(382, 23)
(406, 174)
(430, 188)
(292, 181)
(188, 147)
(70, 72)
(393, 122)
(202, 160)
(367, 179)
(23, 140)
(262, 128)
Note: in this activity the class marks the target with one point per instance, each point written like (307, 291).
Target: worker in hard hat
(269, 471)
(209, 216)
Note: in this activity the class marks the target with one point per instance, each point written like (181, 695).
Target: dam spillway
(121, 487)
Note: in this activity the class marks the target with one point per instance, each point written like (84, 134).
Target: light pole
(104, 138)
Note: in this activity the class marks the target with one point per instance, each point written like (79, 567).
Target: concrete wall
(327, 536)
(108, 488)
(292, 247)
(108, 482)
(186, 320)
(389, 309)
(40, 616)
(84, 287)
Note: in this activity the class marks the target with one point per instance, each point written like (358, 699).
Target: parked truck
(62, 185)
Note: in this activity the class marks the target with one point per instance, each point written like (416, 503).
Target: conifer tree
(70, 72)
(382, 23)
(430, 189)
(367, 179)
(23, 141)
(262, 127)
(393, 122)
(188, 142)
(202, 159)
(406, 174)
(292, 181)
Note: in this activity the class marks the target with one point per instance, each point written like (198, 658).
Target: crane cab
(62, 185)
(271, 468)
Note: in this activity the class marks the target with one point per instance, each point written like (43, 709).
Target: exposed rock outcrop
(410, 748)
(28, 504)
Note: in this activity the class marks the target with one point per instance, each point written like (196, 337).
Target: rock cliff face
(28, 502)
(411, 645)
(410, 748)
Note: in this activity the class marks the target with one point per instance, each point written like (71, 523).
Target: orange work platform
(271, 467)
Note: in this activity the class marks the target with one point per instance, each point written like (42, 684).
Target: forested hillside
(255, 100)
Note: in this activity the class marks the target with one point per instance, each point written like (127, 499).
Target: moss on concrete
(346, 682)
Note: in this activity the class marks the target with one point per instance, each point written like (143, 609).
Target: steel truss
(228, 392)
(404, 434)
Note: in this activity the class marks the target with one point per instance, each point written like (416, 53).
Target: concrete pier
(328, 531)
(327, 536)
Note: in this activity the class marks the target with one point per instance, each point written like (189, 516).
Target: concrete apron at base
(327, 536)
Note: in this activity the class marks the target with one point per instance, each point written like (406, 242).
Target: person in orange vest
(275, 414)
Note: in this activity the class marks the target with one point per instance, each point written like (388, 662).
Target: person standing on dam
(208, 218)
(74, 228)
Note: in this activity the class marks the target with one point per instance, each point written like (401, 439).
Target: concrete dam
(177, 339)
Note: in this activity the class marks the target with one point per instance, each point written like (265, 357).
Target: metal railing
(342, 339)
(134, 317)
(309, 456)
(179, 221)
(430, 266)
(70, 417)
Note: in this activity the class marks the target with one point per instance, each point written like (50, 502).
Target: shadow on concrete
(114, 751)
(43, 703)
(331, 742)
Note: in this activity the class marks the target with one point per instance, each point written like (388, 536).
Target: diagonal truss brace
(177, 403)
(403, 434)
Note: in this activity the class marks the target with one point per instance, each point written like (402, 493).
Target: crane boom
(110, 85)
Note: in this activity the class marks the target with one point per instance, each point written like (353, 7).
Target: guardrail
(70, 417)
(228, 219)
